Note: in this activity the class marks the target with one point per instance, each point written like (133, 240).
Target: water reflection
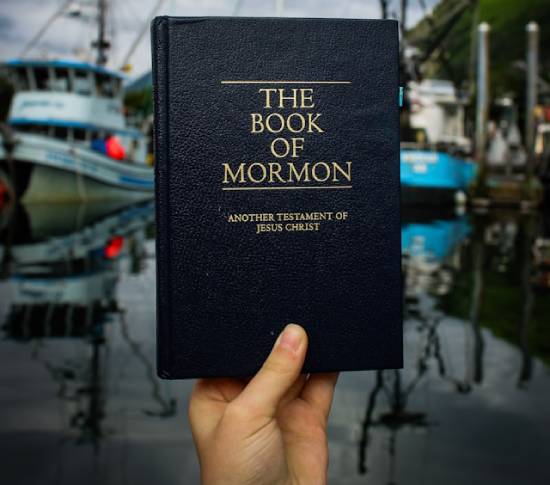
(80, 400)
(429, 262)
(488, 271)
(61, 268)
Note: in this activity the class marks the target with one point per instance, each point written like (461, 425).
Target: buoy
(114, 148)
(111, 147)
(113, 247)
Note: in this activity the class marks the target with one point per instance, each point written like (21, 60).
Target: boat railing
(58, 76)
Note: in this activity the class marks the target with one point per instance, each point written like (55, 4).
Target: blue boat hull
(435, 240)
(434, 177)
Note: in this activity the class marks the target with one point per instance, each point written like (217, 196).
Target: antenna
(101, 44)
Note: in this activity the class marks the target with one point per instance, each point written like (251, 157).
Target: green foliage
(503, 304)
(507, 19)
(139, 102)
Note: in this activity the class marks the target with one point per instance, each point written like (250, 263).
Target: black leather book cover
(277, 192)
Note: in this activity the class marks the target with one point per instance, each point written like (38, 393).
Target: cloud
(69, 37)
(6, 28)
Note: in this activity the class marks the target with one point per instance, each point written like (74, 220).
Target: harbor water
(80, 401)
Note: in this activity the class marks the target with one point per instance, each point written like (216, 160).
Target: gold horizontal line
(295, 187)
(282, 82)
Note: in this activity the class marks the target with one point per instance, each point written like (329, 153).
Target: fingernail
(291, 337)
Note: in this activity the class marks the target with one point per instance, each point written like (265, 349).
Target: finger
(294, 391)
(279, 372)
(319, 391)
(217, 389)
(208, 401)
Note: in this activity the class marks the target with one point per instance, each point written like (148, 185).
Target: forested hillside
(507, 19)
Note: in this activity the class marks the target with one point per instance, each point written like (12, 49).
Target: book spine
(159, 49)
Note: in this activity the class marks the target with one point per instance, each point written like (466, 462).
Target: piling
(482, 107)
(531, 93)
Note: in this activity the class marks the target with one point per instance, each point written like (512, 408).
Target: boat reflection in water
(61, 269)
(471, 287)
(77, 357)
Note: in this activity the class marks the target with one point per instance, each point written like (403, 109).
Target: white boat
(62, 114)
(437, 114)
(436, 168)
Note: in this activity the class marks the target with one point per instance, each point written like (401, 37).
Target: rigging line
(444, 27)
(427, 15)
(81, 37)
(123, 21)
(44, 28)
(144, 29)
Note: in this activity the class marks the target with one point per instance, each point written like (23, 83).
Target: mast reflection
(60, 272)
(460, 268)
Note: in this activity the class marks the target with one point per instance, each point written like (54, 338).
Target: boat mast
(403, 19)
(101, 44)
(384, 9)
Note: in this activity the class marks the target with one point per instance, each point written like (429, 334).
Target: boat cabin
(437, 114)
(64, 77)
(73, 102)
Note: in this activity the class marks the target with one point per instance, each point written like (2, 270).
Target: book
(277, 192)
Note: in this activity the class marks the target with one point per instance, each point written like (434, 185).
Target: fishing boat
(67, 138)
(435, 164)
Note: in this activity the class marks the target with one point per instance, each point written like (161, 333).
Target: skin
(271, 430)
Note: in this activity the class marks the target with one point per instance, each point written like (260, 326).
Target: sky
(70, 37)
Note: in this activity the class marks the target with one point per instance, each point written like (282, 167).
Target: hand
(269, 431)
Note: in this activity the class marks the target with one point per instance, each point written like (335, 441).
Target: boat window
(82, 82)
(60, 132)
(79, 134)
(117, 84)
(105, 85)
(20, 79)
(22, 128)
(42, 77)
(61, 80)
(37, 129)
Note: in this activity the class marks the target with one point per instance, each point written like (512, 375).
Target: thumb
(281, 369)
